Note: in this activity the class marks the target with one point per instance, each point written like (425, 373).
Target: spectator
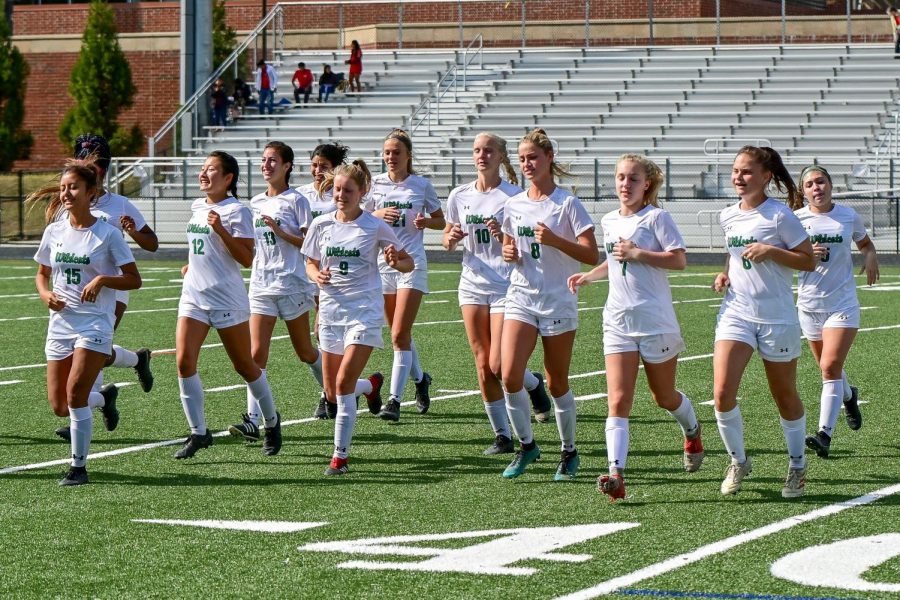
(355, 62)
(219, 104)
(894, 14)
(302, 82)
(266, 85)
(241, 97)
(327, 83)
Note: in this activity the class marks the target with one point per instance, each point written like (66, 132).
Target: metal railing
(432, 104)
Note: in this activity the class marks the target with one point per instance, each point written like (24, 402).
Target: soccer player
(547, 233)
(766, 243)
(474, 215)
(82, 261)
(220, 242)
(279, 286)
(826, 298)
(343, 250)
(403, 199)
(639, 324)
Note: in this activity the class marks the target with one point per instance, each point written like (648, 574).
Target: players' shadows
(24, 440)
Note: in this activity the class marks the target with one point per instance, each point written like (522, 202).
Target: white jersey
(76, 257)
(640, 300)
(213, 280)
(319, 204)
(112, 207)
(350, 251)
(830, 287)
(484, 270)
(412, 196)
(538, 282)
(279, 268)
(760, 292)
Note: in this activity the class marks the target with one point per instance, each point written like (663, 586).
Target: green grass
(423, 475)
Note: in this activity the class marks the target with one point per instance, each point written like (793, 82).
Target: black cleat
(331, 410)
(142, 368)
(851, 410)
(272, 439)
(390, 411)
(321, 411)
(540, 401)
(820, 442)
(110, 412)
(501, 445)
(247, 429)
(193, 443)
(75, 476)
(65, 433)
(423, 399)
(373, 400)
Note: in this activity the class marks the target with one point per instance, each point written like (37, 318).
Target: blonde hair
(85, 169)
(653, 173)
(539, 138)
(500, 143)
(406, 140)
(357, 170)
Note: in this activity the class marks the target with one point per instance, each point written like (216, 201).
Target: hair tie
(555, 145)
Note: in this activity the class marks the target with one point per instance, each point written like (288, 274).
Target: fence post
(453, 173)
(249, 178)
(523, 23)
(596, 179)
(650, 21)
(400, 25)
(718, 22)
(342, 40)
(849, 25)
(668, 179)
(459, 16)
(587, 23)
(783, 21)
(21, 205)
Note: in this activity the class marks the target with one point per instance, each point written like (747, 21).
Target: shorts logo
(784, 350)
(97, 340)
(666, 349)
(557, 321)
(226, 315)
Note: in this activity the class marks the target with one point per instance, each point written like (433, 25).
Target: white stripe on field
(227, 388)
(131, 312)
(12, 382)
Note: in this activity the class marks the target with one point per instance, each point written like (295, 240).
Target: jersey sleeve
(303, 212)
(667, 233)
(132, 211)
(432, 204)
(368, 203)
(579, 217)
(506, 225)
(385, 237)
(241, 223)
(452, 208)
(119, 250)
(310, 247)
(42, 256)
(791, 230)
(859, 228)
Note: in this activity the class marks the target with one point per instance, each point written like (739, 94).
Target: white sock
(530, 380)
(263, 394)
(82, 427)
(731, 428)
(363, 386)
(191, 389)
(415, 371)
(830, 405)
(253, 411)
(795, 436)
(400, 373)
(496, 412)
(565, 420)
(847, 391)
(124, 358)
(343, 424)
(518, 408)
(96, 400)
(316, 368)
(685, 416)
(616, 443)
(98, 383)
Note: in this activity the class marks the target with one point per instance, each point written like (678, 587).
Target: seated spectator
(302, 82)
(241, 96)
(219, 104)
(328, 81)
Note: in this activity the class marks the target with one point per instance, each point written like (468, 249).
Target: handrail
(434, 99)
(889, 138)
(479, 52)
(709, 222)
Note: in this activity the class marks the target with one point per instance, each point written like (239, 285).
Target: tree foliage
(101, 86)
(15, 143)
(224, 38)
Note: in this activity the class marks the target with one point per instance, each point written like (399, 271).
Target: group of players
(351, 245)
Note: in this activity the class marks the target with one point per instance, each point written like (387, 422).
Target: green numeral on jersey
(343, 267)
(198, 246)
(401, 220)
(747, 264)
(269, 237)
(827, 255)
(624, 266)
(73, 276)
(483, 236)
(535, 250)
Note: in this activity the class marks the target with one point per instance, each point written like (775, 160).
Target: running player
(474, 214)
(765, 242)
(826, 299)
(547, 233)
(279, 286)
(220, 242)
(82, 262)
(639, 324)
(342, 250)
(403, 199)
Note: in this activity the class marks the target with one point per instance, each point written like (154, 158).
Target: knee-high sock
(343, 425)
(565, 420)
(191, 389)
(830, 405)
(263, 394)
(795, 436)
(530, 380)
(400, 373)
(363, 386)
(124, 358)
(685, 416)
(96, 400)
(253, 410)
(496, 412)
(82, 428)
(415, 371)
(316, 368)
(617, 443)
(847, 391)
(518, 407)
(731, 428)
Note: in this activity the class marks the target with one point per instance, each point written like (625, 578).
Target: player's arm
(599, 272)
(398, 259)
(145, 238)
(798, 258)
(290, 238)
(870, 260)
(42, 283)
(435, 220)
(583, 249)
(672, 260)
(128, 279)
(721, 281)
(240, 249)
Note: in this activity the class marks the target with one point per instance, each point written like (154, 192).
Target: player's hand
(756, 252)
(215, 221)
(493, 226)
(544, 236)
(419, 221)
(184, 271)
(92, 290)
(870, 268)
(721, 282)
(510, 253)
(820, 252)
(391, 214)
(456, 234)
(575, 281)
(272, 224)
(391, 255)
(324, 277)
(127, 224)
(54, 302)
(625, 251)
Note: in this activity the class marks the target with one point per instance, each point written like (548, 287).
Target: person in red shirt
(303, 82)
(355, 62)
(894, 14)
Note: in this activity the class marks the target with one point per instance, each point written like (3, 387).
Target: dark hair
(286, 153)
(84, 169)
(771, 161)
(230, 167)
(260, 62)
(814, 169)
(91, 144)
(403, 136)
(354, 44)
(301, 65)
(335, 153)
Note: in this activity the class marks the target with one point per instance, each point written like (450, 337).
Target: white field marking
(435, 302)
(443, 292)
(590, 397)
(430, 272)
(214, 345)
(125, 384)
(131, 312)
(227, 388)
(152, 287)
(16, 267)
(8, 296)
(12, 382)
(167, 299)
(12, 277)
(695, 286)
(16, 368)
(713, 402)
(680, 359)
(676, 562)
(867, 307)
(437, 322)
(258, 526)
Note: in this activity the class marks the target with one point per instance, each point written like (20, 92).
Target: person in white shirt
(409, 204)
(642, 242)
(82, 261)
(826, 299)
(220, 242)
(766, 243)
(279, 286)
(547, 234)
(342, 250)
(474, 214)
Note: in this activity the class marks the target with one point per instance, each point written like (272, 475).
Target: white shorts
(334, 338)
(778, 342)
(61, 348)
(217, 318)
(656, 348)
(546, 326)
(812, 323)
(287, 307)
(497, 302)
(417, 279)
(122, 296)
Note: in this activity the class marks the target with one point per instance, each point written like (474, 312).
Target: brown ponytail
(539, 138)
(403, 136)
(84, 169)
(771, 161)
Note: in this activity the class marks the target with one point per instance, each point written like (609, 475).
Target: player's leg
(190, 333)
(517, 344)
(730, 359)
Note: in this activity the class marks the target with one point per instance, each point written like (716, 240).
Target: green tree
(15, 143)
(224, 38)
(101, 86)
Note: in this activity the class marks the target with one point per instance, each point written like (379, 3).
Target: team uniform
(319, 204)
(111, 208)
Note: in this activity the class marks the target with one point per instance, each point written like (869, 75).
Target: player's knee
(401, 340)
(831, 368)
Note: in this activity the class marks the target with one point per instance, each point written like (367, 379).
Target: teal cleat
(568, 466)
(521, 461)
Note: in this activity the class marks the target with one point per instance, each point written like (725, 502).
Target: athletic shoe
(501, 445)
(821, 442)
(338, 466)
(612, 485)
(272, 438)
(110, 413)
(142, 368)
(75, 476)
(568, 466)
(193, 443)
(373, 399)
(65, 433)
(321, 411)
(390, 411)
(540, 401)
(423, 399)
(693, 451)
(521, 461)
(851, 410)
(247, 429)
(734, 477)
(794, 483)
(330, 410)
